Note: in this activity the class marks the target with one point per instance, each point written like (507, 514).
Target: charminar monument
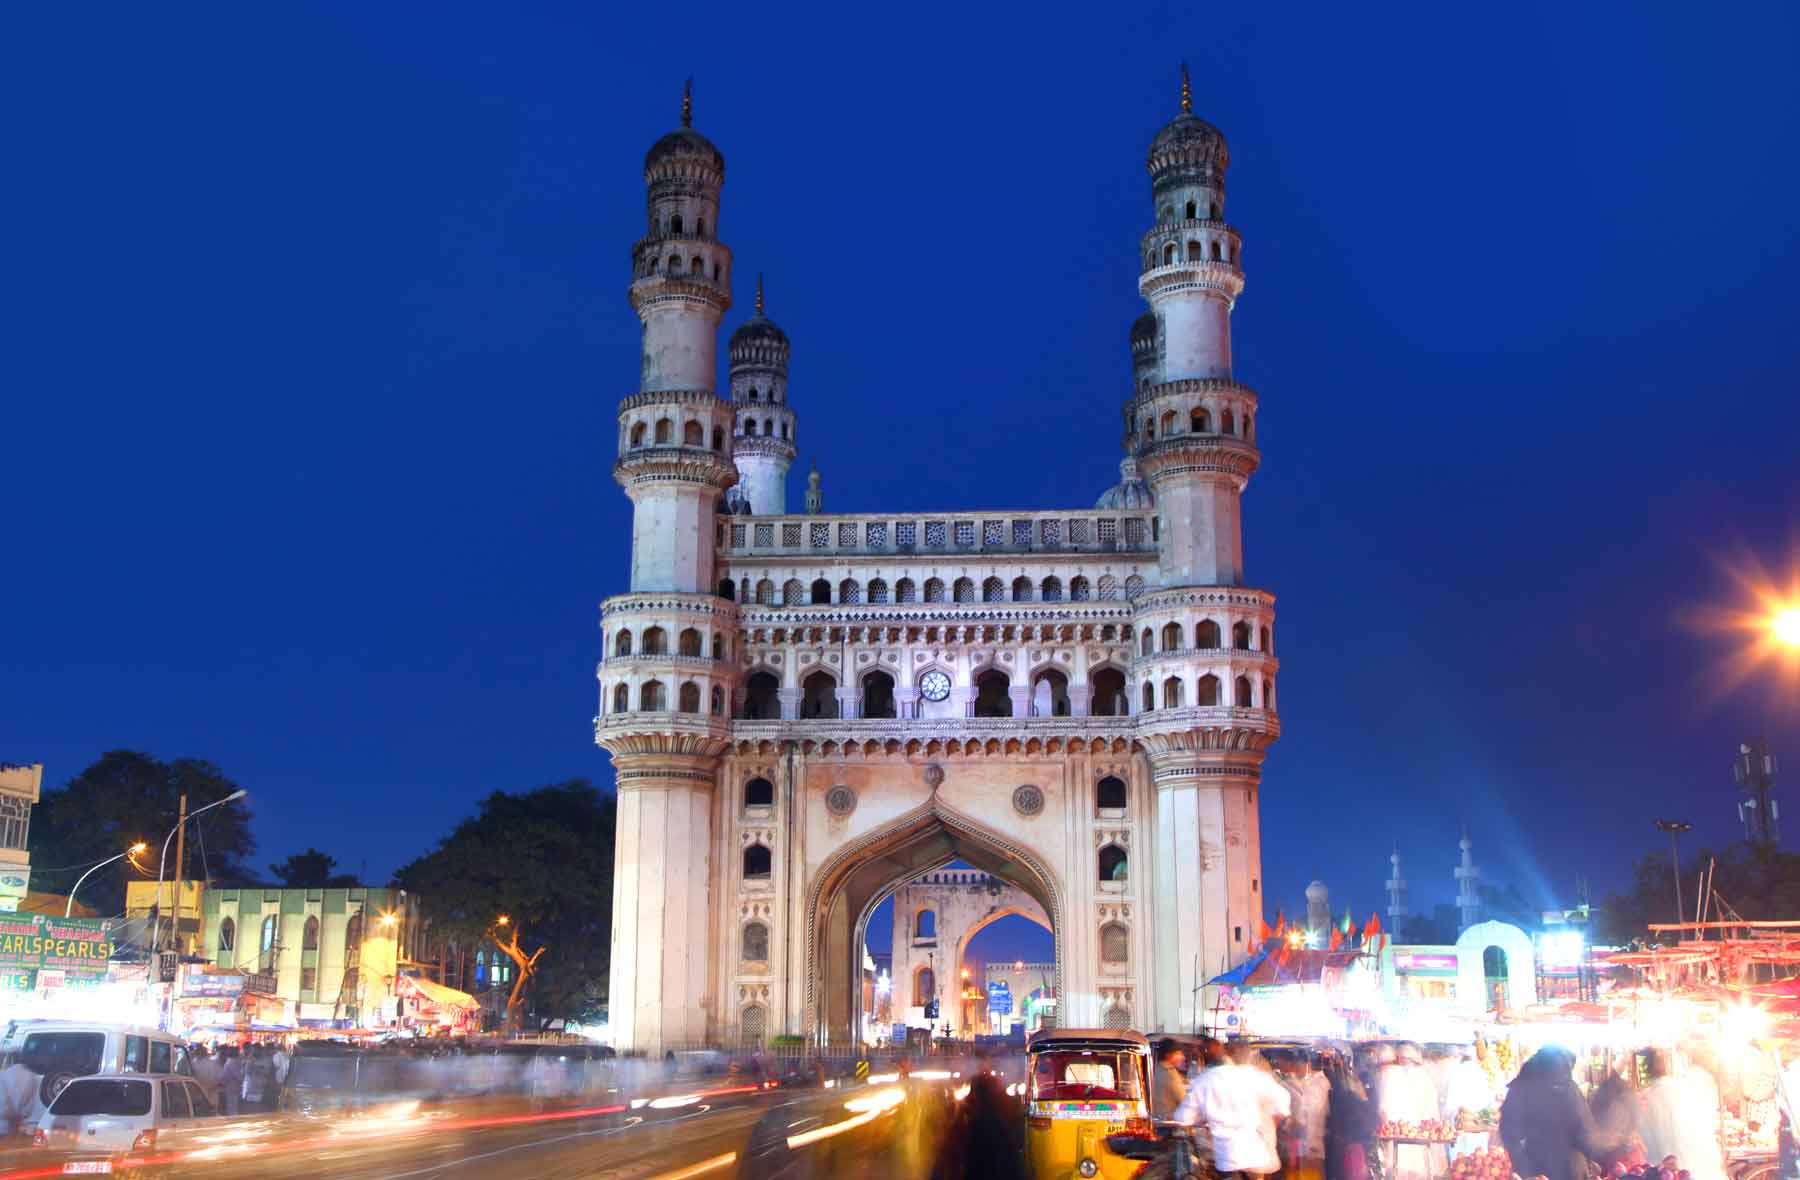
(807, 711)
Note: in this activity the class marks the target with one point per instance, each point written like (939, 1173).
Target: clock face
(934, 685)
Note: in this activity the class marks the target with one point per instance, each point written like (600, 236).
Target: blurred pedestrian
(1350, 1122)
(1302, 1141)
(231, 1078)
(1679, 1116)
(18, 1096)
(1171, 1082)
(1615, 1107)
(985, 1139)
(1545, 1123)
(1236, 1101)
(1405, 1093)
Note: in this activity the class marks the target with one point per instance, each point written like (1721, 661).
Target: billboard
(68, 950)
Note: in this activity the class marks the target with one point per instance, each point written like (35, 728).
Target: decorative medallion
(934, 776)
(1028, 800)
(840, 800)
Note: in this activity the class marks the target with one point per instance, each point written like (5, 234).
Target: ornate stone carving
(840, 801)
(1028, 800)
(934, 776)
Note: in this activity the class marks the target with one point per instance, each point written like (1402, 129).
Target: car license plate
(87, 1167)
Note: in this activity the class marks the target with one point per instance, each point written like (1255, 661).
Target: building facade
(20, 788)
(805, 711)
(935, 916)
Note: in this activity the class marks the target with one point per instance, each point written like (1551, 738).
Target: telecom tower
(1755, 770)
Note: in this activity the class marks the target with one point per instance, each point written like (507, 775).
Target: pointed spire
(687, 101)
(1187, 92)
(759, 297)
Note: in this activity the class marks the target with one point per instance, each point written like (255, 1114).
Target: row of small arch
(1196, 252)
(993, 695)
(653, 697)
(696, 267)
(1207, 693)
(655, 642)
(1051, 589)
(1109, 794)
(768, 428)
(1207, 637)
(663, 435)
(1199, 422)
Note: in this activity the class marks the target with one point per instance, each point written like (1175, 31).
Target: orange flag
(1266, 933)
(1337, 939)
(1280, 924)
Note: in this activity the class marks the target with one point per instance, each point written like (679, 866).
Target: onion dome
(1131, 490)
(1188, 143)
(756, 334)
(685, 143)
(1317, 891)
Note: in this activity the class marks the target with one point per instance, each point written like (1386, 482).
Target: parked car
(103, 1124)
(62, 1050)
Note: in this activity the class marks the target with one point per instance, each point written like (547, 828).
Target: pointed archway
(856, 878)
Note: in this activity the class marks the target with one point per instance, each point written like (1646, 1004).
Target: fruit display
(1650, 1172)
(1499, 1060)
(1490, 1164)
(1433, 1130)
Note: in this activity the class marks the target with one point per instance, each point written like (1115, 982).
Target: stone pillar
(662, 938)
(1206, 857)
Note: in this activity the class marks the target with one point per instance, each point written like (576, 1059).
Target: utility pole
(1675, 827)
(180, 857)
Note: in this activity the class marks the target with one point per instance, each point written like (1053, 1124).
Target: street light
(1675, 827)
(1785, 626)
(156, 931)
(140, 846)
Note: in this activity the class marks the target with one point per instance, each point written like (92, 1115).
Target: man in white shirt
(1237, 1102)
(18, 1097)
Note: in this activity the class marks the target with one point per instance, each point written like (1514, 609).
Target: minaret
(1468, 885)
(674, 449)
(1203, 671)
(666, 681)
(1396, 891)
(815, 495)
(1318, 912)
(764, 445)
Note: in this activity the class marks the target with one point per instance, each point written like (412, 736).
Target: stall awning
(437, 993)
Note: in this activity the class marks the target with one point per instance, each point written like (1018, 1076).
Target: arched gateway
(806, 711)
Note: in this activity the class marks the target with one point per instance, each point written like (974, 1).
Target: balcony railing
(940, 534)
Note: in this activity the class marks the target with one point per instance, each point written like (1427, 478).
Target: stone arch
(652, 698)
(821, 591)
(1208, 691)
(793, 592)
(818, 695)
(1051, 590)
(1108, 698)
(690, 697)
(878, 694)
(693, 434)
(1031, 913)
(993, 693)
(688, 642)
(849, 590)
(762, 697)
(621, 697)
(965, 590)
(759, 792)
(665, 431)
(905, 591)
(1200, 422)
(622, 642)
(934, 590)
(878, 590)
(637, 434)
(1050, 693)
(1171, 637)
(1115, 944)
(1021, 589)
(1206, 635)
(1079, 590)
(1242, 695)
(656, 642)
(1114, 864)
(1110, 794)
(993, 590)
(857, 877)
(1471, 978)
(1171, 692)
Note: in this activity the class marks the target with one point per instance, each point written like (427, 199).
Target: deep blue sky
(316, 324)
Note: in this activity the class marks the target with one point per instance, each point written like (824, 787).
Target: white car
(98, 1123)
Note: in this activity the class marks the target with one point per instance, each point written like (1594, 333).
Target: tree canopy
(544, 858)
(1757, 882)
(311, 869)
(127, 796)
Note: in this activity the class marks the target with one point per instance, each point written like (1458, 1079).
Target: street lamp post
(69, 909)
(181, 823)
(1675, 827)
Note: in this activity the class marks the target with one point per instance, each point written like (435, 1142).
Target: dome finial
(759, 298)
(687, 100)
(1187, 92)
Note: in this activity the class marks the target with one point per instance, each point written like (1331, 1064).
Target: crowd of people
(242, 1080)
(1304, 1114)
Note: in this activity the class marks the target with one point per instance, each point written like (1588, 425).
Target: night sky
(316, 326)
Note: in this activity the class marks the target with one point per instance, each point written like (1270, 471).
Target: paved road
(755, 1134)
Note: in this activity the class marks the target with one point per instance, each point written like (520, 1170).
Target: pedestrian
(206, 1072)
(1405, 1093)
(1545, 1124)
(1350, 1122)
(1303, 1134)
(231, 1078)
(1615, 1107)
(1466, 1095)
(1236, 1101)
(1171, 1083)
(18, 1096)
(1678, 1118)
(985, 1139)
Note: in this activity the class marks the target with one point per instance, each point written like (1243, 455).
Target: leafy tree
(311, 869)
(127, 796)
(1757, 882)
(543, 858)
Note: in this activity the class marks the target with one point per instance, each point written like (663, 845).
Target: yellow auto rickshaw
(1083, 1085)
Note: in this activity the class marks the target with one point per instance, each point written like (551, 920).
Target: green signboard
(75, 948)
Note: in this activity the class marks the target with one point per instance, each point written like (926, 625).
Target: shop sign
(201, 982)
(1445, 963)
(14, 885)
(262, 983)
(53, 950)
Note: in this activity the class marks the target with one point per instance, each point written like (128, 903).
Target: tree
(1758, 882)
(543, 858)
(311, 870)
(127, 796)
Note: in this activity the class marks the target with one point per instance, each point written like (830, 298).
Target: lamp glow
(1785, 625)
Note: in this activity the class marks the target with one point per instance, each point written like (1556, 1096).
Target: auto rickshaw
(1081, 1086)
